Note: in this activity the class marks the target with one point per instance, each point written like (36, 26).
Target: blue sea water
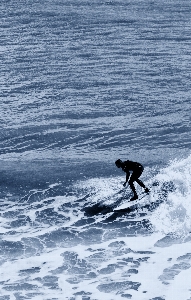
(84, 83)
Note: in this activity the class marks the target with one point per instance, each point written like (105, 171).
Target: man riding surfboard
(136, 169)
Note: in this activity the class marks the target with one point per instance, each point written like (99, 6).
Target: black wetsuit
(137, 170)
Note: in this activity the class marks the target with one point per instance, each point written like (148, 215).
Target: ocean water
(84, 83)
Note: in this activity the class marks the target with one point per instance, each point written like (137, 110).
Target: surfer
(136, 169)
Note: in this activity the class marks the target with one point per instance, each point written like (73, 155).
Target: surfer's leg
(133, 189)
(136, 176)
(140, 183)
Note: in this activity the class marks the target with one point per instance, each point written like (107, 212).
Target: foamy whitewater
(84, 83)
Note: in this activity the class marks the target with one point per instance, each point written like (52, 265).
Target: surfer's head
(119, 163)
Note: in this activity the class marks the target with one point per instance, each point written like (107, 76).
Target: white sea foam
(143, 254)
(174, 214)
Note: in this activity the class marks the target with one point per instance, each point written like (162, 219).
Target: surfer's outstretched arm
(127, 177)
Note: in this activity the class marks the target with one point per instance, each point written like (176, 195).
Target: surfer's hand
(124, 184)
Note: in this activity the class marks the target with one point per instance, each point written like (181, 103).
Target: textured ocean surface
(84, 83)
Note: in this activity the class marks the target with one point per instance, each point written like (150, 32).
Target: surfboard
(141, 201)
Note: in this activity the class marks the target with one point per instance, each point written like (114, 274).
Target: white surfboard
(141, 201)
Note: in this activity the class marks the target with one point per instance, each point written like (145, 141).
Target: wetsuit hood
(119, 163)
